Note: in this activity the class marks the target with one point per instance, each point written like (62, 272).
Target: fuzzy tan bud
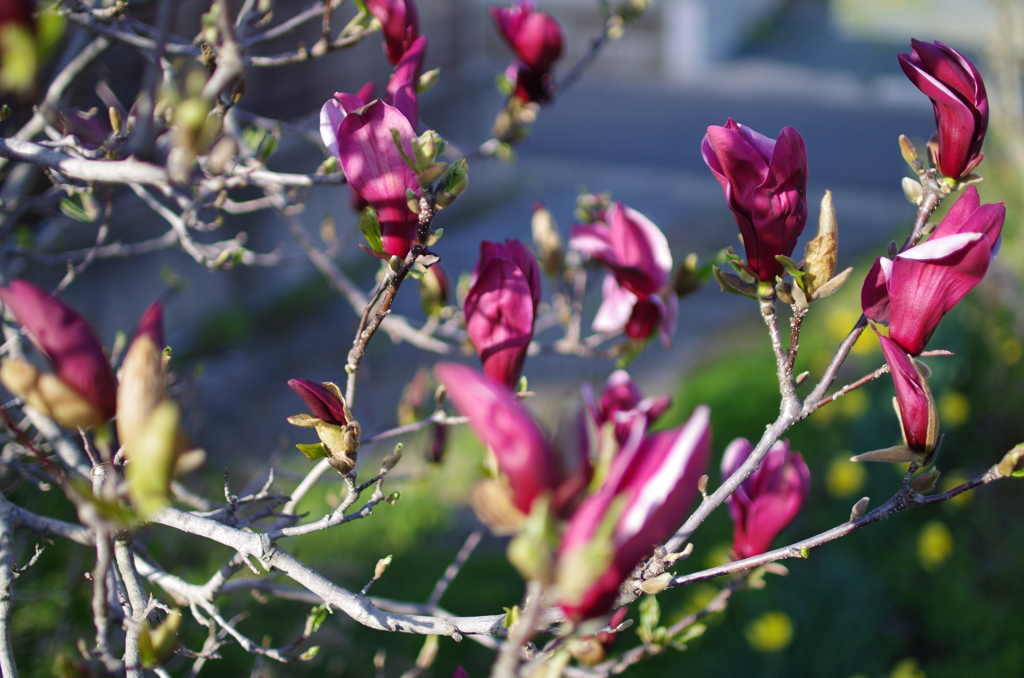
(821, 252)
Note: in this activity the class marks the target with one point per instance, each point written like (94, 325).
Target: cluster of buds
(585, 545)
(333, 421)
(501, 307)
(82, 391)
(537, 40)
(638, 297)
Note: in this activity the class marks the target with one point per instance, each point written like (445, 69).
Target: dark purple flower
(768, 500)
(621, 402)
(537, 40)
(400, 22)
(322, 403)
(765, 185)
(911, 293)
(501, 306)
(958, 96)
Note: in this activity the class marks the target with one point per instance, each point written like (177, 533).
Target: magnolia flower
(651, 485)
(765, 184)
(768, 500)
(919, 419)
(82, 391)
(501, 307)
(400, 22)
(637, 297)
(502, 423)
(339, 435)
(360, 136)
(622, 403)
(537, 40)
(959, 99)
(911, 293)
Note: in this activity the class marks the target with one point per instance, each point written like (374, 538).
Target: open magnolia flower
(81, 391)
(912, 292)
(637, 295)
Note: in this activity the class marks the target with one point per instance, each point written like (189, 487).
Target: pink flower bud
(501, 306)
(63, 336)
(151, 325)
(768, 500)
(959, 99)
(323, 404)
(765, 185)
(400, 22)
(535, 37)
(504, 425)
(911, 293)
(637, 298)
(653, 482)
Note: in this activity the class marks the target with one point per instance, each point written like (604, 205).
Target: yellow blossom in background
(841, 320)
(907, 668)
(771, 632)
(951, 480)
(854, 404)
(934, 545)
(954, 409)
(700, 596)
(1011, 350)
(844, 478)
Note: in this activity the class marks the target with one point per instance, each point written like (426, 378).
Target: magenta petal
(372, 162)
(912, 395)
(523, 258)
(874, 295)
(323, 404)
(503, 424)
(594, 240)
(642, 261)
(66, 339)
(399, 21)
(616, 307)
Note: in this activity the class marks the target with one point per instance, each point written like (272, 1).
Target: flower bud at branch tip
(860, 508)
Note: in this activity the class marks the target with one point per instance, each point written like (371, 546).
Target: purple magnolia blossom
(501, 306)
(360, 136)
(537, 40)
(653, 483)
(323, 404)
(919, 419)
(503, 424)
(66, 339)
(151, 325)
(637, 296)
(400, 22)
(765, 185)
(622, 403)
(768, 500)
(911, 293)
(958, 96)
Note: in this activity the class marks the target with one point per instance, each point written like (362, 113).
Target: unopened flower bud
(913, 190)
(115, 119)
(546, 239)
(925, 482)
(909, 152)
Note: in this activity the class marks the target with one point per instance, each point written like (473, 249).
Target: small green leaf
(314, 451)
(309, 654)
(511, 616)
(316, 618)
(650, 615)
(370, 227)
